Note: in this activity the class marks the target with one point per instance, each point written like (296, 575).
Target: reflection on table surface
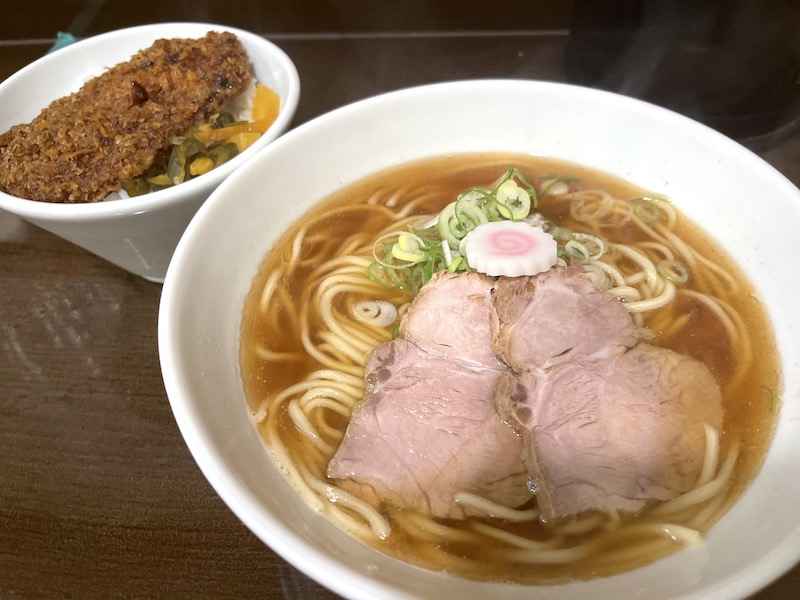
(100, 497)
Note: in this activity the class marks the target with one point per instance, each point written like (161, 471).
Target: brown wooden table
(99, 497)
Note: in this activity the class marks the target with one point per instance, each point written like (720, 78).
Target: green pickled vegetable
(222, 120)
(222, 153)
(136, 186)
(185, 151)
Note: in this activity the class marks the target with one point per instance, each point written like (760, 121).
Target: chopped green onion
(411, 244)
(408, 259)
(576, 250)
(408, 248)
(594, 246)
(469, 216)
(448, 255)
(529, 187)
(382, 276)
(444, 224)
(562, 234)
(646, 209)
(514, 202)
(557, 186)
(773, 397)
(458, 219)
(673, 271)
(477, 196)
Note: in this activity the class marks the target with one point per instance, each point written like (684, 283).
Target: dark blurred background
(734, 64)
(368, 42)
(88, 17)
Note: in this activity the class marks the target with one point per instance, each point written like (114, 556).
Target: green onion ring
(673, 271)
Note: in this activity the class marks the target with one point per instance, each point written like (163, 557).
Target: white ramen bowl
(742, 202)
(138, 234)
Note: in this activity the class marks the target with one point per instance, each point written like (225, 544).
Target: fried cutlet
(84, 146)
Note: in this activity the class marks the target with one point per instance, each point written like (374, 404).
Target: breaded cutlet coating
(86, 145)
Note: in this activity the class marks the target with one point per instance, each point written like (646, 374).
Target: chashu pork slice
(556, 317)
(451, 317)
(427, 430)
(428, 427)
(610, 435)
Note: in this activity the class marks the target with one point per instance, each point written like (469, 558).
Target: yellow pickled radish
(266, 104)
(244, 139)
(201, 165)
(161, 180)
(223, 133)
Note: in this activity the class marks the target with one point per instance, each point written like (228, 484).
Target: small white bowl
(745, 204)
(138, 234)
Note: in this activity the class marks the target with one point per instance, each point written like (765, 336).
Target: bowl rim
(287, 542)
(60, 211)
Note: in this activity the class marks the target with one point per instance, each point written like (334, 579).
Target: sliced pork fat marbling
(427, 430)
(612, 434)
(556, 317)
